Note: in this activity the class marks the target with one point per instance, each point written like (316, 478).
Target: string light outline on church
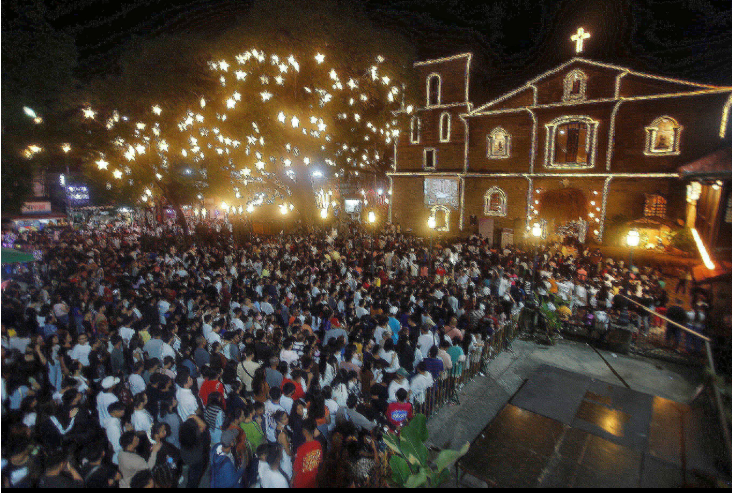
(608, 107)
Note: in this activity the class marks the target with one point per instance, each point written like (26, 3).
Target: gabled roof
(593, 63)
(445, 59)
(715, 165)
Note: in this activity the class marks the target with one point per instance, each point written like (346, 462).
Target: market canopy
(11, 256)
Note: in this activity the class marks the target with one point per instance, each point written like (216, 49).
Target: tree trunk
(180, 218)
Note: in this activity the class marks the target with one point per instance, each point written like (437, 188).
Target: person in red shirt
(399, 413)
(299, 392)
(211, 384)
(308, 458)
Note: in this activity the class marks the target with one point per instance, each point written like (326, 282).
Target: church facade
(576, 149)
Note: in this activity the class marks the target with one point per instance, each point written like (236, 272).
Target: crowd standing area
(130, 362)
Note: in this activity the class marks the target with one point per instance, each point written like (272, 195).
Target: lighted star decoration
(251, 128)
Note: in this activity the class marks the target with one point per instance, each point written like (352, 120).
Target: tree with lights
(257, 125)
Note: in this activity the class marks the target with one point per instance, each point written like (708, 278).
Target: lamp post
(536, 233)
(372, 220)
(432, 224)
(632, 239)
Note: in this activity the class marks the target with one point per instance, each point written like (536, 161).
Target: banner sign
(35, 207)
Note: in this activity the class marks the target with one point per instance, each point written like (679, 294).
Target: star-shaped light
(223, 65)
(295, 122)
(157, 110)
(117, 174)
(281, 117)
(88, 112)
(102, 164)
(319, 58)
(266, 96)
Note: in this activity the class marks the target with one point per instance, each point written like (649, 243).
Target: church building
(577, 149)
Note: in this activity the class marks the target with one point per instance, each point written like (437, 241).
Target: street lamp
(324, 213)
(432, 224)
(536, 233)
(632, 239)
(372, 219)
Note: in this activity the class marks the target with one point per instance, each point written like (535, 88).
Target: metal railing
(446, 389)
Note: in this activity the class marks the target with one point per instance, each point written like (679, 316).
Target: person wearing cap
(105, 398)
(225, 472)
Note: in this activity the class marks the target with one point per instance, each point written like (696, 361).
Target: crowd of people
(132, 361)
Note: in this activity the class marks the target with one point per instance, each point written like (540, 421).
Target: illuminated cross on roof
(579, 39)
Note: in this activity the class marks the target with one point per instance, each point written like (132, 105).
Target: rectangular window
(571, 143)
(430, 158)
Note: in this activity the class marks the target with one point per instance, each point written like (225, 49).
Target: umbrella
(11, 256)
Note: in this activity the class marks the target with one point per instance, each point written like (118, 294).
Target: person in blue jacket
(225, 472)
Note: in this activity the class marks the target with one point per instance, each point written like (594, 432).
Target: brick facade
(612, 136)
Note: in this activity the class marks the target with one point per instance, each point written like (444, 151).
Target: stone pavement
(485, 396)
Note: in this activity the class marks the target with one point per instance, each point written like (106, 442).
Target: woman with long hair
(283, 436)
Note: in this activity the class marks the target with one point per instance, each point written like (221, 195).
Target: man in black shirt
(59, 472)
(95, 472)
(677, 314)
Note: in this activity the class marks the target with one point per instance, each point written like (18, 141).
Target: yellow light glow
(250, 208)
(88, 112)
(281, 117)
(66, 147)
(579, 39)
(536, 230)
(372, 217)
(324, 213)
(633, 238)
(702, 250)
(223, 65)
(29, 112)
(319, 58)
(157, 110)
(295, 122)
(117, 174)
(102, 164)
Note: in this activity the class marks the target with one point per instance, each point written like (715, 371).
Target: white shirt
(270, 478)
(142, 421)
(137, 384)
(287, 403)
(113, 428)
(80, 353)
(187, 403)
(420, 384)
(425, 342)
(394, 386)
(288, 356)
(126, 334)
(104, 399)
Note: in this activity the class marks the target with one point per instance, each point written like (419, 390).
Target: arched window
(571, 142)
(575, 86)
(662, 137)
(442, 217)
(494, 202)
(499, 144)
(445, 127)
(434, 84)
(655, 206)
(415, 129)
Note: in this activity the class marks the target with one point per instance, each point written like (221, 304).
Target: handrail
(680, 326)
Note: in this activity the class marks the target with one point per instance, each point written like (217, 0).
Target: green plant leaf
(447, 458)
(442, 477)
(399, 470)
(417, 480)
(416, 430)
(415, 451)
(392, 441)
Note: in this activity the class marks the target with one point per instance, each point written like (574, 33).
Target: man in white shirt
(105, 398)
(187, 402)
(126, 333)
(137, 383)
(287, 354)
(425, 341)
(113, 428)
(81, 351)
(421, 383)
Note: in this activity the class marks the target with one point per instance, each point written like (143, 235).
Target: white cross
(579, 39)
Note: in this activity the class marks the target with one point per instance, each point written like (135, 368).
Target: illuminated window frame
(415, 133)
(489, 142)
(439, 89)
(487, 202)
(442, 126)
(551, 128)
(569, 80)
(424, 158)
(433, 214)
(655, 205)
(652, 130)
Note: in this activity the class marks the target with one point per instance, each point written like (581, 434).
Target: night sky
(512, 40)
